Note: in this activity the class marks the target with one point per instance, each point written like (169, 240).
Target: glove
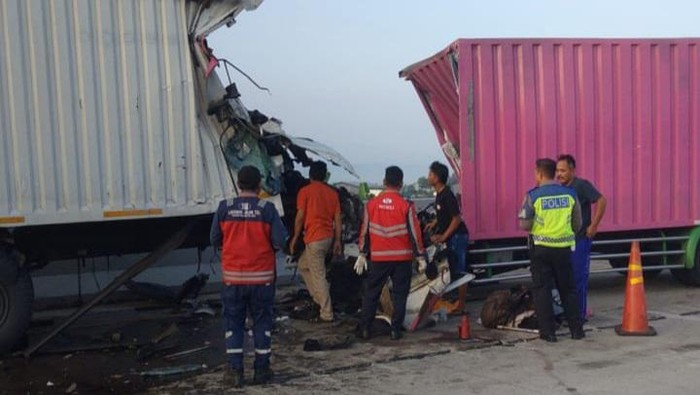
(290, 262)
(422, 264)
(360, 265)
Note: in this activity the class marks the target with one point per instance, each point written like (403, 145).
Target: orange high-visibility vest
(390, 229)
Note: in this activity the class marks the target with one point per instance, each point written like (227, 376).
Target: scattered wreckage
(131, 144)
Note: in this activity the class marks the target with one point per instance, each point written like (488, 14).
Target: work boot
(578, 333)
(549, 338)
(396, 334)
(263, 376)
(233, 378)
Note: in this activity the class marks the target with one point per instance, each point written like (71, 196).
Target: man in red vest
(389, 237)
(248, 230)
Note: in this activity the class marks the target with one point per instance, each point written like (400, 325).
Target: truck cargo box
(103, 110)
(627, 109)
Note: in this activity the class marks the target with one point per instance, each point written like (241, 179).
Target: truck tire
(690, 276)
(16, 297)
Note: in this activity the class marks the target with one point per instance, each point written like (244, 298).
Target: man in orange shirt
(318, 215)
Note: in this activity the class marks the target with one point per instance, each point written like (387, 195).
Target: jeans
(581, 262)
(238, 301)
(458, 245)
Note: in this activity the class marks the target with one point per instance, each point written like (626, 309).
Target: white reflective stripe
(234, 351)
(228, 334)
(248, 278)
(387, 235)
(263, 351)
(268, 334)
(249, 274)
(387, 228)
(392, 252)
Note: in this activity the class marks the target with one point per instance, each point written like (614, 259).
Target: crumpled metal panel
(627, 109)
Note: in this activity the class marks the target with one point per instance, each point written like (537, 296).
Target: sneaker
(319, 320)
(233, 378)
(263, 376)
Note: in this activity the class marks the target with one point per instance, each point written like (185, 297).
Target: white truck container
(115, 132)
(103, 114)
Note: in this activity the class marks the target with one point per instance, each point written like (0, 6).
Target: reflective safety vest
(553, 205)
(247, 255)
(390, 229)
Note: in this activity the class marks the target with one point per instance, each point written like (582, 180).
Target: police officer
(552, 215)
(248, 230)
(390, 237)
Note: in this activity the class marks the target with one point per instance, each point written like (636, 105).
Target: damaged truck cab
(116, 133)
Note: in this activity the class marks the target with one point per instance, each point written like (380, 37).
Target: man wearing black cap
(248, 230)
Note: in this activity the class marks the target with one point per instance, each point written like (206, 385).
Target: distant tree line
(421, 188)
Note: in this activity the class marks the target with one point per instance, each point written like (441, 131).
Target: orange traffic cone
(634, 316)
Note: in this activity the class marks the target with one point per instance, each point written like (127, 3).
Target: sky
(332, 66)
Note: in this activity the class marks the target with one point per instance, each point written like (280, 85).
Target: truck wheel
(16, 297)
(690, 276)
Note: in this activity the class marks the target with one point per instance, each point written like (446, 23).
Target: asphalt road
(603, 363)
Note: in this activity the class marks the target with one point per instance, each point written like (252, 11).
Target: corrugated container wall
(627, 109)
(99, 116)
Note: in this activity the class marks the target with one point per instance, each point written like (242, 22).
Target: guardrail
(524, 263)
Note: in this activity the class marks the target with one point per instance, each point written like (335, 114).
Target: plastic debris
(71, 388)
(49, 384)
(186, 352)
(174, 370)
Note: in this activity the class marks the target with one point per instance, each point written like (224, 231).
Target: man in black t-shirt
(448, 227)
(587, 196)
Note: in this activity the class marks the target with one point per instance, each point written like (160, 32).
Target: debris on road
(327, 343)
(186, 352)
(174, 370)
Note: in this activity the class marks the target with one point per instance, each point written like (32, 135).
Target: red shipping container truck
(627, 109)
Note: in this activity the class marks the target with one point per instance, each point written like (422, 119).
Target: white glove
(360, 265)
(290, 262)
(422, 264)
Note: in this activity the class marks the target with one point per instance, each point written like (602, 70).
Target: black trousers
(400, 274)
(552, 266)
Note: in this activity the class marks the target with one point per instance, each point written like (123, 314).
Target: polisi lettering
(555, 202)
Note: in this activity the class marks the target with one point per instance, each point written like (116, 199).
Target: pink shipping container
(627, 109)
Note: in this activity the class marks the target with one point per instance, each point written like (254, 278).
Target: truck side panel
(627, 109)
(99, 116)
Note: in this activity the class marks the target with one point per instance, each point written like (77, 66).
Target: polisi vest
(247, 256)
(553, 205)
(391, 227)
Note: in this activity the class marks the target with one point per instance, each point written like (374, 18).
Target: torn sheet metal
(324, 152)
